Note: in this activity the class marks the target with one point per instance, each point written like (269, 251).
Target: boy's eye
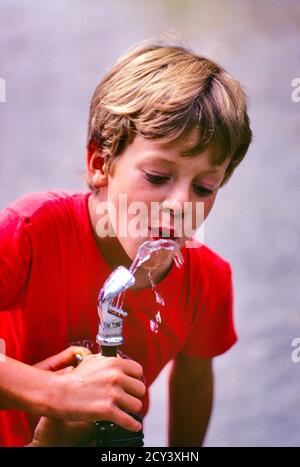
(200, 190)
(160, 179)
(156, 179)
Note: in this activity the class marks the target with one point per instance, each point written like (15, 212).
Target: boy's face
(146, 172)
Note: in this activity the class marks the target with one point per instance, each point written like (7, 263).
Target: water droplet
(153, 326)
(76, 378)
(158, 317)
(159, 298)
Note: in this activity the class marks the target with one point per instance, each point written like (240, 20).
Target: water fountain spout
(110, 315)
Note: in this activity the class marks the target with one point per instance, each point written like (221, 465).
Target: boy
(165, 126)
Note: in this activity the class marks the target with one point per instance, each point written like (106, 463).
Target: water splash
(150, 246)
(158, 317)
(158, 297)
(143, 254)
(160, 301)
(153, 326)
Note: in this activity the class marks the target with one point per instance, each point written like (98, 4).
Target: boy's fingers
(134, 387)
(77, 350)
(125, 421)
(132, 368)
(63, 371)
(65, 358)
(128, 366)
(130, 403)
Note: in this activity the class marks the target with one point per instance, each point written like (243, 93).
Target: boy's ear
(96, 166)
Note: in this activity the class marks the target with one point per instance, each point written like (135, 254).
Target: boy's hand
(119, 389)
(101, 388)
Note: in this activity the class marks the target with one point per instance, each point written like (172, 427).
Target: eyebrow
(167, 161)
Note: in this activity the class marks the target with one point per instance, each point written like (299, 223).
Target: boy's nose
(176, 200)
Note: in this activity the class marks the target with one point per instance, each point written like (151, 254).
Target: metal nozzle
(111, 316)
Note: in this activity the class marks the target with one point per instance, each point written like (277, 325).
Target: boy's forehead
(191, 147)
(169, 154)
(181, 147)
(185, 145)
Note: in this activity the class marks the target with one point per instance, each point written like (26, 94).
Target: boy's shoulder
(31, 204)
(51, 211)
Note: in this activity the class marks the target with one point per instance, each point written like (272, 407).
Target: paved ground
(52, 54)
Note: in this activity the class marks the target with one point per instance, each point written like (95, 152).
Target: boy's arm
(25, 387)
(190, 400)
(100, 388)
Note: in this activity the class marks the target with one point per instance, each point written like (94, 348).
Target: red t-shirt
(51, 272)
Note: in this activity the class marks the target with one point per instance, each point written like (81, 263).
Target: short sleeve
(15, 257)
(213, 331)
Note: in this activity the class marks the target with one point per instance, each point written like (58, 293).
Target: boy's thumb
(63, 371)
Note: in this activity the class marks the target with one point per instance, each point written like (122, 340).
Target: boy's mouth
(164, 232)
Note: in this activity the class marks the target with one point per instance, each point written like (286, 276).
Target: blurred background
(52, 55)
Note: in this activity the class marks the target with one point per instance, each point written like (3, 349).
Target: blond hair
(164, 93)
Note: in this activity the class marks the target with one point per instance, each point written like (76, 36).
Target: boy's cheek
(208, 205)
